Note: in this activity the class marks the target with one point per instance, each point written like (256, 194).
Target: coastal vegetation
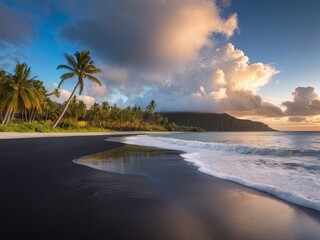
(26, 105)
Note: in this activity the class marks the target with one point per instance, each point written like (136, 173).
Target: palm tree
(105, 111)
(56, 93)
(81, 67)
(82, 109)
(3, 75)
(150, 108)
(39, 99)
(4, 78)
(105, 106)
(76, 109)
(18, 92)
(48, 103)
(95, 114)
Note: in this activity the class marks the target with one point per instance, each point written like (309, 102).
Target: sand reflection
(126, 159)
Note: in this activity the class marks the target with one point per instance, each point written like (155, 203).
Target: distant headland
(215, 121)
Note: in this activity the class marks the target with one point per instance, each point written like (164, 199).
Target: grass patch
(81, 126)
(45, 127)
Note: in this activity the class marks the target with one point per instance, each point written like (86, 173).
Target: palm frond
(93, 79)
(71, 61)
(83, 59)
(65, 77)
(33, 78)
(92, 69)
(25, 99)
(66, 67)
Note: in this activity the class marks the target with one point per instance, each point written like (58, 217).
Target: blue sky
(284, 33)
(162, 50)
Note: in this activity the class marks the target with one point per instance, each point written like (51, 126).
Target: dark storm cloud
(44, 8)
(123, 46)
(15, 28)
(144, 32)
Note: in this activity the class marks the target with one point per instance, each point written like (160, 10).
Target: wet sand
(150, 194)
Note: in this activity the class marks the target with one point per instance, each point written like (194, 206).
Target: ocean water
(284, 164)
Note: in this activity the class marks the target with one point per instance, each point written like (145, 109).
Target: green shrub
(2, 128)
(70, 125)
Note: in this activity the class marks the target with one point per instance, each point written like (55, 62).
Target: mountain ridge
(215, 121)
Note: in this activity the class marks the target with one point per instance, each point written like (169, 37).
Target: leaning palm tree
(80, 66)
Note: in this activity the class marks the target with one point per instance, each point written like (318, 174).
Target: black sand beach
(44, 195)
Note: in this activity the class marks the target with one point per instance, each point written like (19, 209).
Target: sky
(254, 59)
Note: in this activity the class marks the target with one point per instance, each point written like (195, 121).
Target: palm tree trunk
(4, 122)
(26, 114)
(66, 107)
(30, 114)
(12, 116)
(6, 116)
(47, 114)
(23, 114)
(33, 114)
(9, 119)
(149, 115)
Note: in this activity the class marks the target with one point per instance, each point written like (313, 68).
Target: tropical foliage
(22, 94)
(26, 105)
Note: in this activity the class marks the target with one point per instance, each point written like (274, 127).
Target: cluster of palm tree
(112, 117)
(24, 97)
(129, 118)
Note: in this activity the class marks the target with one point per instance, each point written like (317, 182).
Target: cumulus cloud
(88, 100)
(233, 65)
(144, 32)
(65, 94)
(306, 102)
(132, 35)
(222, 81)
(15, 28)
(97, 91)
(195, 71)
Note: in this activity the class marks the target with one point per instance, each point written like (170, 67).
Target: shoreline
(48, 196)
(291, 197)
(21, 135)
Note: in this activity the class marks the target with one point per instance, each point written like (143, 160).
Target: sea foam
(289, 174)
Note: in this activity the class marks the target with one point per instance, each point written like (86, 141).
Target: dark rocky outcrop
(215, 122)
